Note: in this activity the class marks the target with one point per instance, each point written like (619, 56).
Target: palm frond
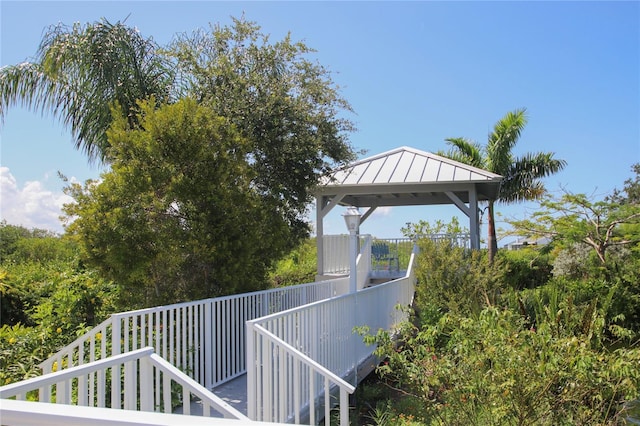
(80, 71)
(465, 151)
(505, 135)
(523, 179)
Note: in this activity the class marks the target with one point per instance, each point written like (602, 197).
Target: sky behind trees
(415, 73)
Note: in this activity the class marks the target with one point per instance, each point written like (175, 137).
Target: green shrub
(21, 350)
(297, 267)
(495, 369)
(526, 268)
(454, 279)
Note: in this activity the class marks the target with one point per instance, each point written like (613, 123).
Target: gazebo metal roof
(406, 177)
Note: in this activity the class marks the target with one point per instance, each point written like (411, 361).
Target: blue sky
(414, 72)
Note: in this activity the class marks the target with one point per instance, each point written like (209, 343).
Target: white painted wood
(197, 336)
(23, 413)
(135, 391)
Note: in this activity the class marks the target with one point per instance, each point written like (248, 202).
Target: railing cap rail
(72, 372)
(48, 414)
(196, 388)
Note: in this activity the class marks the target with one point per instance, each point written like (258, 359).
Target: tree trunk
(492, 241)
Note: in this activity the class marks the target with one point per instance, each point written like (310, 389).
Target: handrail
(297, 354)
(138, 387)
(289, 406)
(46, 414)
(34, 383)
(195, 388)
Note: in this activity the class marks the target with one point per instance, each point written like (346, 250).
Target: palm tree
(81, 72)
(521, 175)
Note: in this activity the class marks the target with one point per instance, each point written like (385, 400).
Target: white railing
(324, 333)
(336, 253)
(390, 256)
(459, 240)
(149, 383)
(205, 339)
(300, 382)
(21, 413)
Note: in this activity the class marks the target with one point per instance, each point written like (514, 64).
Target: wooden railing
(205, 339)
(281, 347)
(149, 383)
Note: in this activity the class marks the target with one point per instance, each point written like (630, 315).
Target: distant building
(521, 243)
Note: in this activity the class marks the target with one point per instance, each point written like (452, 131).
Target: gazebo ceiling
(406, 177)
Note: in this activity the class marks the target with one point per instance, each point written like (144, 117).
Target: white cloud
(32, 206)
(382, 211)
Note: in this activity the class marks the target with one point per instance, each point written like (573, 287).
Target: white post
(353, 255)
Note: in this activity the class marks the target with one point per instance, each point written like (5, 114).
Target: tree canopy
(177, 214)
(286, 106)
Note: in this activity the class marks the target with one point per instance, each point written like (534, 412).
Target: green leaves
(178, 217)
(574, 218)
(493, 369)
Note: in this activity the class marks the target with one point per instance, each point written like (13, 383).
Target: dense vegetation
(48, 297)
(543, 336)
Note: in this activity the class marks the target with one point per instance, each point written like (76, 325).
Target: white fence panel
(20, 413)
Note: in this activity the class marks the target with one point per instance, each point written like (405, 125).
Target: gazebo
(405, 177)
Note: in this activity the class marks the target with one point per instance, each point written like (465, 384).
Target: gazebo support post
(471, 211)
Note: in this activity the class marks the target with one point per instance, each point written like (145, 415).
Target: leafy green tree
(521, 175)
(80, 71)
(631, 191)
(177, 217)
(286, 106)
(12, 236)
(575, 218)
